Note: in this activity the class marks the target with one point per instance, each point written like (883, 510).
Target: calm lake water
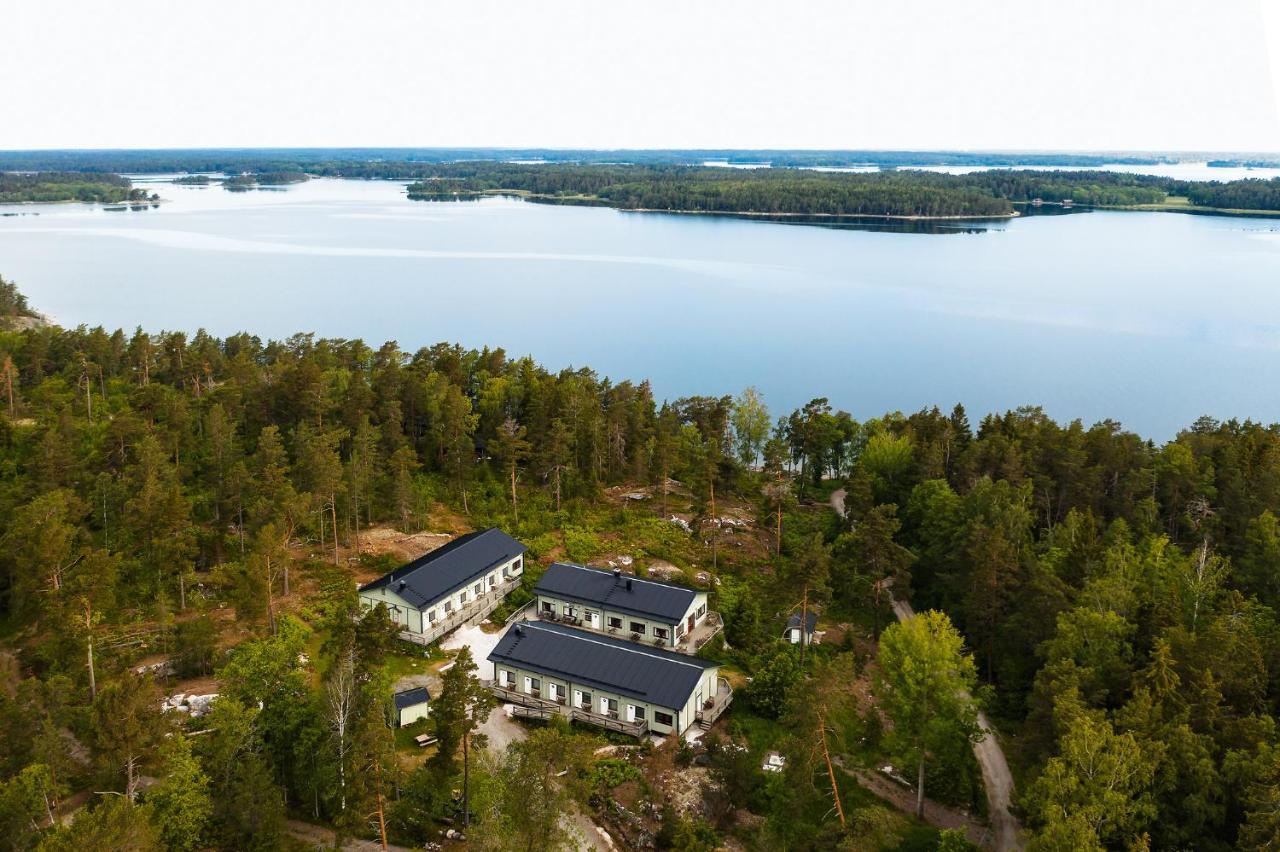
(1151, 319)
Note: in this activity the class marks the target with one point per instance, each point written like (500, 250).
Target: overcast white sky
(994, 74)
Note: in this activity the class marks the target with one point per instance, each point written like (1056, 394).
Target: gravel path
(996, 777)
(322, 838)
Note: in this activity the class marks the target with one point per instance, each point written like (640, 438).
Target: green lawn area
(415, 660)
(405, 735)
(1182, 204)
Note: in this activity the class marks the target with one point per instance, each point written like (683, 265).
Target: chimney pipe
(628, 584)
(617, 572)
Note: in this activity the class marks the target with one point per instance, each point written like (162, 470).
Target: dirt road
(996, 777)
(322, 838)
(902, 798)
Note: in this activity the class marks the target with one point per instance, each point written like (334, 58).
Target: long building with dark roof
(452, 584)
(617, 604)
(613, 683)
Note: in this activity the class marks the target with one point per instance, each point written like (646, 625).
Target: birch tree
(923, 686)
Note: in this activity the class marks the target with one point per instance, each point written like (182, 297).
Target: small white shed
(412, 705)
(793, 628)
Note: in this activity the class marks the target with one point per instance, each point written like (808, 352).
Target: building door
(593, 620)
(691, 624)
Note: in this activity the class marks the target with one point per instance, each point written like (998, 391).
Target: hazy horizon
(1009, 75)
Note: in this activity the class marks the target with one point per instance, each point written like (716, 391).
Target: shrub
(195, 643)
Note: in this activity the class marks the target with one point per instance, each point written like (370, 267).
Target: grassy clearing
(1182, 204)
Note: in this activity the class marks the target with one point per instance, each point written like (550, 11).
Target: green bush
(611, 772)
(581, 544)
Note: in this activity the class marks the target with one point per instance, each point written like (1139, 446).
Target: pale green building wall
(414, 619)
(682, 717)
(625, 631)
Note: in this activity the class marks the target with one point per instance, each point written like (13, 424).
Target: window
(462, 596)
(586, 700)
(535, 686)
(661, 633)
(570, 611)
(663, 719)
(637, 714)
(615, 623)
(637, 627)
(549, 607)
(431, 616)
(479, 589)
(493, 580)
(609, 707)
(448, 607)
(702, 610)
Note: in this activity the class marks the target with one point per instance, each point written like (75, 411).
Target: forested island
(249, 180)
(67, 186)
(782, 192)
(184, 520)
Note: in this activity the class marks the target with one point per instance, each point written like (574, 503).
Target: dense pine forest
(181, 514)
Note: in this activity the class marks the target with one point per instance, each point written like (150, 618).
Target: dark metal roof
(794, 621)
(614, 590)
(412, 697)
(429, 578)
(664, 678)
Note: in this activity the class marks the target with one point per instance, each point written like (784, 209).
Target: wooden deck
(472, 612)
(528, 706)
(688, 643)
(724, 697)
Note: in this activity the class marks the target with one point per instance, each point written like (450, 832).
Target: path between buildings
(996, 777)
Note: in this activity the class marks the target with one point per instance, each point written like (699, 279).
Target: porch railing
(535, 707)
(706, 716)
(473, 610)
